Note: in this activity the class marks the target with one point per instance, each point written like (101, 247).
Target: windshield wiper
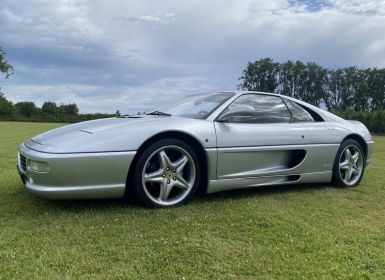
(159, 113)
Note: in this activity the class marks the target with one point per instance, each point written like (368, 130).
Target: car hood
(113, 134)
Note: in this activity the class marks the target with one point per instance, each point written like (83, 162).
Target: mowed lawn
(286, 232)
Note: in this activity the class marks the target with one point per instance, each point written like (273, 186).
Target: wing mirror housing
(230, 116)
(224, 118)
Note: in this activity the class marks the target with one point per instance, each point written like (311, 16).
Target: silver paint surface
(92, 159)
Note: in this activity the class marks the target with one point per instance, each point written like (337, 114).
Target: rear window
(298, 114)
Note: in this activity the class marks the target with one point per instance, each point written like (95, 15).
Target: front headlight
(38, 166)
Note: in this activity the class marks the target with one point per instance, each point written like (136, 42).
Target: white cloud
(128, 52)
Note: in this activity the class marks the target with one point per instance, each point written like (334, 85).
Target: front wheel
(349, 164)
(166, 174)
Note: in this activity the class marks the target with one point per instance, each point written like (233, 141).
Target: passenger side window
(256, 108)
(298, 114)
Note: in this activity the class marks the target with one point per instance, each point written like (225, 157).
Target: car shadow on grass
(118, 204)
(79, 205)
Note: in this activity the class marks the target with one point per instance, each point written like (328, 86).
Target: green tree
(6, 107)
(287, 83)
(337, 89)
(5, 67)
(376, 84)
(310, 82)
(49, 110)
(260, 75)
(27, 109)
(357, 89)
(298, 74)
(69, 109)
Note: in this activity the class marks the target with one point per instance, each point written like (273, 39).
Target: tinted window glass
(298, 113)
(258, 108)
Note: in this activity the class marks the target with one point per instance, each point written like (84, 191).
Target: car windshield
(198, 106)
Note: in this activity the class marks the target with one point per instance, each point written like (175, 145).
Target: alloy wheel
(351, 165)
(168, 175)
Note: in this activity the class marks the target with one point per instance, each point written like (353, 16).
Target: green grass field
(286, 232)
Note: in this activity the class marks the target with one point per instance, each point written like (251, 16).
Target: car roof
(240, 92)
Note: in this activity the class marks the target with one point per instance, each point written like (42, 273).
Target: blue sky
(138, 55)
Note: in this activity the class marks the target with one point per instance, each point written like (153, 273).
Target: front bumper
(75, 176)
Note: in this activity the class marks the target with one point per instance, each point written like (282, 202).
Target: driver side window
(257, 108)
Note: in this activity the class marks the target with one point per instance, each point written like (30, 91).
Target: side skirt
(239, 183)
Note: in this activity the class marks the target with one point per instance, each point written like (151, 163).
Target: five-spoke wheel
(349, 164)
(167, 173)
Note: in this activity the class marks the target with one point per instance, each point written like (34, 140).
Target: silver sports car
(212, 142)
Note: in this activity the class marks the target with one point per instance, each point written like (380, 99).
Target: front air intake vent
(23, 163)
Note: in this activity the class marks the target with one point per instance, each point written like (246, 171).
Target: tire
(349, 165)
(166, 174)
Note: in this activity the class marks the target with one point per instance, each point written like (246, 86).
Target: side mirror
(224, 118)
(232, 115)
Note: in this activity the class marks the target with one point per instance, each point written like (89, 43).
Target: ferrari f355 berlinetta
(214, 142)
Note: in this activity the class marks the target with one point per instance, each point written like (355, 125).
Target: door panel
(247, 149)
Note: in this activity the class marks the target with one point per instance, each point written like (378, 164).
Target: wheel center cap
(169, 175)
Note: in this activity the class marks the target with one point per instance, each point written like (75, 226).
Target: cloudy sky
(138, 54)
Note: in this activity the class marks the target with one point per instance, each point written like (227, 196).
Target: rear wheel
(349, 164)
(166, 174)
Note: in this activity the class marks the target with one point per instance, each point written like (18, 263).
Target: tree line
(48, 112)
(350, 92)
(348, 88)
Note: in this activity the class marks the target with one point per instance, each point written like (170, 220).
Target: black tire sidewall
(136, 180)
(336, 178)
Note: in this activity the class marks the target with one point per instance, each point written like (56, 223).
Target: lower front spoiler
(82, 192)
